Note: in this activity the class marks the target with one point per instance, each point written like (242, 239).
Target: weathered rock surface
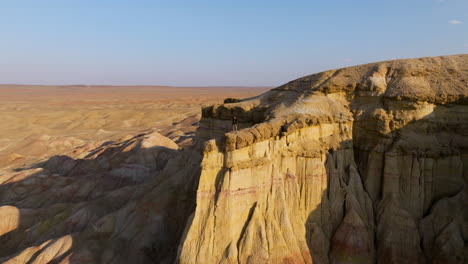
(367, 164)
(122, 203)
(356, 165)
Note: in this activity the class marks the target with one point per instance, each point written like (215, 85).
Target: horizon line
(119, 85)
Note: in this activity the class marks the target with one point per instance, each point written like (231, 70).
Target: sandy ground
(37, 122)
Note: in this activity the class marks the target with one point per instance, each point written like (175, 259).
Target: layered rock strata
(356, 165)
(367, 164)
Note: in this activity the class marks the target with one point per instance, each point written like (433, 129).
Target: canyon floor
(37, 122)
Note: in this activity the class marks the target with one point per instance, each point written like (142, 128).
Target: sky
(216, 43)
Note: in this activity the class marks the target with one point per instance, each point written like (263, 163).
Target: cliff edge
(366, 164)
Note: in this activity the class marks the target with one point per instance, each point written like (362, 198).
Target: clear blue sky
(220, 42)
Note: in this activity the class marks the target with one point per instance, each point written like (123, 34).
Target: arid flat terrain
(37, 122)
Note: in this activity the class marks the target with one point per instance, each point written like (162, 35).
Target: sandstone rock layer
(367, 164)
(356, 165)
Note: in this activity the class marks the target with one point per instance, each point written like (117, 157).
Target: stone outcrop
(367, 164)
(346, 166)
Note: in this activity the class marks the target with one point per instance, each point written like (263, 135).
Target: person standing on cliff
(234, 123)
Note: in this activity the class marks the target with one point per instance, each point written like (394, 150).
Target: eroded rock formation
(356, 165)
(367, 164)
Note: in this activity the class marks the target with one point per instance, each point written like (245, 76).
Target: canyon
(365, 164)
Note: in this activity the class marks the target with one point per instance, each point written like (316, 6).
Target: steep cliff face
(367, 164)
(358, 165)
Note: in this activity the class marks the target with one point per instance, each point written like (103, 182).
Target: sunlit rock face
(367, 164)
(356, 165)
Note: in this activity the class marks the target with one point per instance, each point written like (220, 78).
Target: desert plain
(37, 122)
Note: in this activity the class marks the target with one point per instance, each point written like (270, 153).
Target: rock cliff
(366, 164)
(356, 165)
